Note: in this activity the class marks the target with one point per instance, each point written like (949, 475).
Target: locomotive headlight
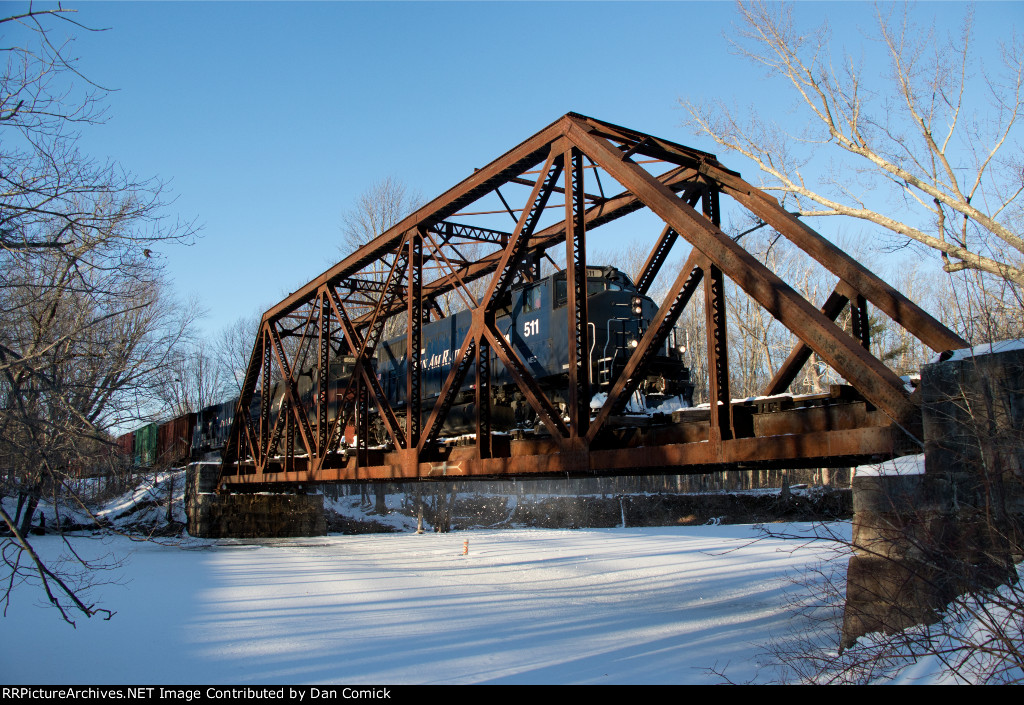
(638, 305)
(682, 349)
(634, 343)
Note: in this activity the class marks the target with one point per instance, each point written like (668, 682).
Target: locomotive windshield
(599, 279)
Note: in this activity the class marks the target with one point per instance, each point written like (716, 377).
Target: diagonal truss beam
(801, 353)
(291, 390)
(527, 385)
(481, 182)
(512, 255)
(894, 304)
(456, 376)
(877, 382)
(364, 375)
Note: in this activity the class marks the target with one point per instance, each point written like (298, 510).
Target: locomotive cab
(619, 317)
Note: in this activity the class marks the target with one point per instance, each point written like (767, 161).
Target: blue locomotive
(534, 321)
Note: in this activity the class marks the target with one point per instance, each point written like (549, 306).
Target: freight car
(532, 319)
(174, 440)
(214, 423)
(126, 444)
(165, 444)
(145, 445)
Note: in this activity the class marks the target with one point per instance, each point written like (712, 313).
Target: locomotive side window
(533, 298)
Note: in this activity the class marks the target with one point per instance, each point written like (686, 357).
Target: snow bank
(907, 465)
(976, 350)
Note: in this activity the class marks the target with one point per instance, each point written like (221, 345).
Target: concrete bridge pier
(922, 540)
(262, 515)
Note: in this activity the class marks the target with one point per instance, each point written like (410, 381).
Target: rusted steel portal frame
(415, 270)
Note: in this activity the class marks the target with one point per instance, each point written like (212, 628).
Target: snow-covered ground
(703, 604)
(653, 605)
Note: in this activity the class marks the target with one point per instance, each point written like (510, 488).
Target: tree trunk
(444, 506)
(170, 500)
(26, 518)
(21, 504)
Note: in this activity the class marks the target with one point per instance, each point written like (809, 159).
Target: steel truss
(416, 269)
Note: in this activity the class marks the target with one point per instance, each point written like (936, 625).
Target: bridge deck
(782, 432)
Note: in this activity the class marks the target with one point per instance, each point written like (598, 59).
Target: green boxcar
(145, 445)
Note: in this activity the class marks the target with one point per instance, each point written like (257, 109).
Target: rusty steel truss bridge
(582, 173)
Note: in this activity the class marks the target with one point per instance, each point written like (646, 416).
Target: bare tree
(86, 324)
(193, 379)
(232, 349)
(383, 204)
(80, 357)
(941, 137)
(985, 308)
(379, 207)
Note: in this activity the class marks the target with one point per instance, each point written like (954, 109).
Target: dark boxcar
(208, 435)
(174, 440)
(145, 445)
(212, 425)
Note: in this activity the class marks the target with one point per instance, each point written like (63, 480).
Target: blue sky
(268, 119)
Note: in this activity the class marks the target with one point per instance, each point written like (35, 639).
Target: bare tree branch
(926, 135)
